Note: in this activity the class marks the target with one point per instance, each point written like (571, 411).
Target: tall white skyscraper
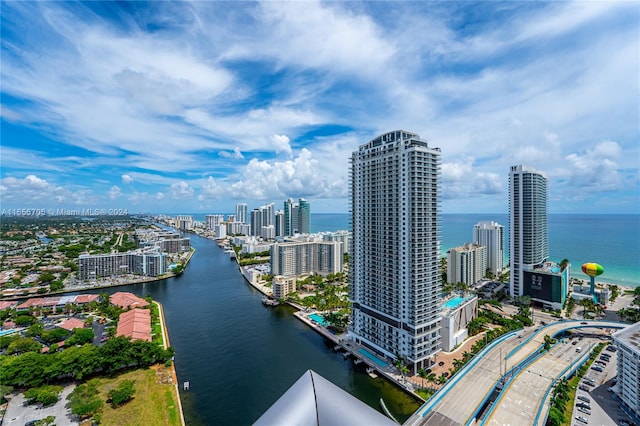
(241, 212)
(396, 286)
(528, 236)
(491, 235)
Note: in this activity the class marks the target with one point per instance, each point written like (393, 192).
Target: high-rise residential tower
(528, 239)
(304, 216)
(256, 222)
(491, 235)
(290, 217)
(241, 212)
(297, 217)
(396, 286)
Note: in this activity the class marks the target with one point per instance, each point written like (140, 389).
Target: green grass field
(154, 403)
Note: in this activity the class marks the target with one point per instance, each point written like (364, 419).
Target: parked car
(583, 405)
(585, 411)
(582, 419)
(589, 381)
(584, 388)
(583, 398)
(596, 368)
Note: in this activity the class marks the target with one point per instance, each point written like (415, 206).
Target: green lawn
(154, 402)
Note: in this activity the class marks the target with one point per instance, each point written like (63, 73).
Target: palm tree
(587, 305)
(431, 378)
(442, 379)
(457, 364)
(403, 371)
(423, 375)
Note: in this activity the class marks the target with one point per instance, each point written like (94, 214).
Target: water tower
(593, 270)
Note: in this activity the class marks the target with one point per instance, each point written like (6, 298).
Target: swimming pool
(317, 318)
(3, 332)
(454, 303)
(372, 357)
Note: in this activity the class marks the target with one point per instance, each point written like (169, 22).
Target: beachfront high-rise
(241, 212)
(491, 235)
(395, 281)
(528, 239)
(297, 217)
(304, 216)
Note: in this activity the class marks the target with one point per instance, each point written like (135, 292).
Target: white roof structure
(313, 400)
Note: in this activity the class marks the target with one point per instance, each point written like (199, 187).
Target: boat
(357, 361)
(336, 348)
(269, 301)
(371, 373)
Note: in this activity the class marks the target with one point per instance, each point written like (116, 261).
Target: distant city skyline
(168, 107)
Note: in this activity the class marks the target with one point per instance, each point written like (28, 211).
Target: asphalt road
(476, 381)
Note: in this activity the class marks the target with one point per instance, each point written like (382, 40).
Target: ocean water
(608, 239)
(611, 240)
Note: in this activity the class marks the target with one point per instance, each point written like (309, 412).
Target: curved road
(459, 401)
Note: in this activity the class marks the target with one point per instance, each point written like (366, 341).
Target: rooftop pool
(454, 303)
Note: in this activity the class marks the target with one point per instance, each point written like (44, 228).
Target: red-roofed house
(29, 303)
(71, 323)
(127, 300)
(82, 299)
(135, 324)
(7, 304)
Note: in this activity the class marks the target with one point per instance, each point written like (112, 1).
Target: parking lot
(598, 405)
(18, 413)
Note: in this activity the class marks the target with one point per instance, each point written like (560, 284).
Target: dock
(185, 386)
(371, 373)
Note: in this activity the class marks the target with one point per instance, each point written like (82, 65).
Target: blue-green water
(454, 303)
(372, 357)
(610, 240)
(240, 356)
(317, 318)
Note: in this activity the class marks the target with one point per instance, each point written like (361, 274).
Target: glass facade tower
(528, 234)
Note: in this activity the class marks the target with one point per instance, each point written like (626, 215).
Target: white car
(582, 419)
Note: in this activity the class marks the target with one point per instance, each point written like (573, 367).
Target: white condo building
(241, 212)
(491, 235)
(627, 388)
(396, 285)
(466, 264)
(301, 258)
(528, 239)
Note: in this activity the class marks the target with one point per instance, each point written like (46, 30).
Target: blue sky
(196, 106)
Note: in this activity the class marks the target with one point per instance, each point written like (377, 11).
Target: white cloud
(159, 196)
(115, 192)
(127, 179)
(236, 154)
(181, 190)
(596, 168)
(35, 192)
(281, 143)
(301, 176)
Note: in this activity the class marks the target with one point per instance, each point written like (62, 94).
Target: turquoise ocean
(612, 240)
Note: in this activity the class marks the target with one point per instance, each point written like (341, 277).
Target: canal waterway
(240, 356)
